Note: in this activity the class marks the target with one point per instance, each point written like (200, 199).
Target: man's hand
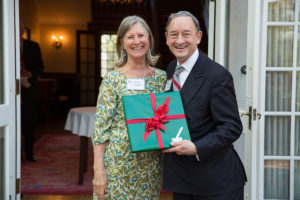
(184, 147)
(24, 82)
(27, 74)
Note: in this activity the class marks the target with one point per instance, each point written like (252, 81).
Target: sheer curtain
(1, 162)
(282, 112)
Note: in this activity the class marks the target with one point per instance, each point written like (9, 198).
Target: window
(2, 183)
(281, 136)
(109, 54)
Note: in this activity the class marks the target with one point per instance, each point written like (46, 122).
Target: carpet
(57, 166)
(56, 169)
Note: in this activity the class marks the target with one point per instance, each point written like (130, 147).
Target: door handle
(244, 69)
(245, 113)
(258, 115)
(249, 114)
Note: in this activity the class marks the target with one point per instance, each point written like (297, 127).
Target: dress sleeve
(106, 108)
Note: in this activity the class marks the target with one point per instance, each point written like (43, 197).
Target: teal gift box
(153, 120)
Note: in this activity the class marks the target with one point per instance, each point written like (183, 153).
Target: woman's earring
(124, 53)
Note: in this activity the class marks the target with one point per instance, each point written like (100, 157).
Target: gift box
(154, 119)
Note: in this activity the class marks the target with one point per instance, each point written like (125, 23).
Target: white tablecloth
(80, 121)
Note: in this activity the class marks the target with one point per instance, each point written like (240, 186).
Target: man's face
(182, 37)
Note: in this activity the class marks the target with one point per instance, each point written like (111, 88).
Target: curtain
(297, 162)
(276, 172)
(298, 47)
(2, 163)
(278, 98)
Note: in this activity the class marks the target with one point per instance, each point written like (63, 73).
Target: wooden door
(88, 67)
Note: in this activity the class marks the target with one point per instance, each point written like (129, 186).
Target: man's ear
(166, 35)
(199, 36)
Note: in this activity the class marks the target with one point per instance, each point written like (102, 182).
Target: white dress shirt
(188, 65)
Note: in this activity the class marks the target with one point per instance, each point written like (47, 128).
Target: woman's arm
(100, 175)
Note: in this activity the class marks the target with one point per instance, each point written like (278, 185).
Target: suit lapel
(194, 81)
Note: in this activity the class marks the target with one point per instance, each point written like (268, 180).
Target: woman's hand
(100, 183)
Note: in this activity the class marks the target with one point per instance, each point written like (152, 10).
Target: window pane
(278, 91)
(298, 47)
(281, 10)
(83, 84)
(1, 80)
(91, 69)
(2, 163)
(91, 55)
(280, 46)
(91, 41)
(1, 66)
(108, 53)
(83, 55)
(297, 92)
(298, 11)
(297, 136)
(277, 179)
(91, 84)
(83, 69)
(91, 98)
(297, 180)
(83, 40)
(83, 98)
(277, 135)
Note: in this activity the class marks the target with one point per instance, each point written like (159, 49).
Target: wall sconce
(57, 41)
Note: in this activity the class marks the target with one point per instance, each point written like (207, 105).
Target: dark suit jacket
(33, 62)
(212, 115)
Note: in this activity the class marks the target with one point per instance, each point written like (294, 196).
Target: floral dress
(130, 175)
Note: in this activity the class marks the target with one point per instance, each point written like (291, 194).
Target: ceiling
(64, 11)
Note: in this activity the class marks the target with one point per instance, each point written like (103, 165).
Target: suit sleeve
(38, 65)
(225, 117)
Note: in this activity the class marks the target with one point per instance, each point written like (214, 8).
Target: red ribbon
(156, 122)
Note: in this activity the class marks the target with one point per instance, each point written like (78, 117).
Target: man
(208, 167)
(31, 67)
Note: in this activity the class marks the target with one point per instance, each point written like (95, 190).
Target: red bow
(156, 122)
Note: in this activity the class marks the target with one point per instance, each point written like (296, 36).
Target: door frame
(11, 107)
(254, 57)
(217, 31)
(217, 50)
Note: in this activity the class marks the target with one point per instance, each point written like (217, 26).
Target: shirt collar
(189, 63)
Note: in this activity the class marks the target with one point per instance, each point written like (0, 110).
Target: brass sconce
(57, 41)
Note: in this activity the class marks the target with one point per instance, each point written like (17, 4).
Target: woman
(119, 173)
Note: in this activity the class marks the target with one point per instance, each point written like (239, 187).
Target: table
(80, 121)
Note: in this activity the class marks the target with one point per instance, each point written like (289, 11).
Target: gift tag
(168, 85)
(136, 84)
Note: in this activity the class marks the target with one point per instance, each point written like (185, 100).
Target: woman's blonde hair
(125, 25)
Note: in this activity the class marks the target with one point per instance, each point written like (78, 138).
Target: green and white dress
(130, 175)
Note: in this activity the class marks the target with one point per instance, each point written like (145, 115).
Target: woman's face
(136, 41)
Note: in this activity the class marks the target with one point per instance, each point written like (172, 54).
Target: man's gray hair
(183, 14)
